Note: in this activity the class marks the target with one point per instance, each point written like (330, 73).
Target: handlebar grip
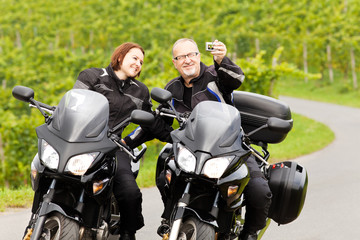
(125, 146)
(117, 139)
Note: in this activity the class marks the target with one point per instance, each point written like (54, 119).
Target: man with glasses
(198, 82)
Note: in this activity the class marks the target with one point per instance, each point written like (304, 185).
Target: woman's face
(132, 63)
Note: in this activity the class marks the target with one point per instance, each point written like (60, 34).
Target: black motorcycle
(72, 173)
(202, 175)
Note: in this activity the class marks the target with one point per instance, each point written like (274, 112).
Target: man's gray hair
(183, 40)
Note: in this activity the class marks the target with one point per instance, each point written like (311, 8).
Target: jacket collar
(119, 82)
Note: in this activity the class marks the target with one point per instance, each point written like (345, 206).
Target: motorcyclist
(198, 82)
(118, 84)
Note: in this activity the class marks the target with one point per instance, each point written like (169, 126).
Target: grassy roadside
(340, 92)
(18, 198)
(307, 136)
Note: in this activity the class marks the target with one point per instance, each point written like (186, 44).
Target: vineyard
(45, 44)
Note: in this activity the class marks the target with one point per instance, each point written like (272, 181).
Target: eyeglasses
(189, 55)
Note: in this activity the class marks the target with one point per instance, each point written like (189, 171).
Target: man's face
(188, 67)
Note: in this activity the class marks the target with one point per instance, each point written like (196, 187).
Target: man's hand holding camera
(217, 49)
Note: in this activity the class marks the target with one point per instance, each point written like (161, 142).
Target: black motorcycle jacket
(124, 96)
(215, 83)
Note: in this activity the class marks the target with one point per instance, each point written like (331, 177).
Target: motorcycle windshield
(214, 128)
(81, 116)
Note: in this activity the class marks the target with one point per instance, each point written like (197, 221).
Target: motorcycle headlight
(49, 156)
(215, 167)
(186, 159)
(79, 164)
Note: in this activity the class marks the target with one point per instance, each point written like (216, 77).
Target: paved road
(331, 208)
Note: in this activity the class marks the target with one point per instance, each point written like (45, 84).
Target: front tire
(194, 229)
(57, 227)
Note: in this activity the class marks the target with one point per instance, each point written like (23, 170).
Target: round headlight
(215, 167)
(49, 156)
(79, 164)
(186, 159)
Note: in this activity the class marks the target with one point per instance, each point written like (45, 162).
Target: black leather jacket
(215, 83)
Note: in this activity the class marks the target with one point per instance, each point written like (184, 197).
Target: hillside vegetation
(45, 44)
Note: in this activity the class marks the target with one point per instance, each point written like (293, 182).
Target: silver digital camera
(209, 46)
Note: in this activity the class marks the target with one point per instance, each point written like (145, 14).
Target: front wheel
(57, 227)
(194, 229)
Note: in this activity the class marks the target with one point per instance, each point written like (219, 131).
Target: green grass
(146, 176)
(340, 92)
(18, 198)
(307, 136)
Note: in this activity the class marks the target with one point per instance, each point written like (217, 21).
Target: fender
(191, 212)
(50, 207)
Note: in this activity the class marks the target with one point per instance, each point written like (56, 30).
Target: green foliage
(261, 76)
(45, 44)
(19, 146)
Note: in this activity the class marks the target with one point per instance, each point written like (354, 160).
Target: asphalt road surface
(331, 209)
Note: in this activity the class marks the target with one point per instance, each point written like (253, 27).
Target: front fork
(182, 204)
(48, 197)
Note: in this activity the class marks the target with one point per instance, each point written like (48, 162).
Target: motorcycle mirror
(23, 93)
(141, 117)
(161, 95)
(279, 125)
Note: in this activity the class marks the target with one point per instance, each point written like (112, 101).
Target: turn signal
(33, 171)
(232, 190)
(98, 186)
(168, 176)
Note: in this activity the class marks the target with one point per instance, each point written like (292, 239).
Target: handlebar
(47, 107)
(116, 139)
(44, 107)
(170, 113)
(135, 153)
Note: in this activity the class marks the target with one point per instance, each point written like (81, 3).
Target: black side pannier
(255, 109)
(288, 183)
